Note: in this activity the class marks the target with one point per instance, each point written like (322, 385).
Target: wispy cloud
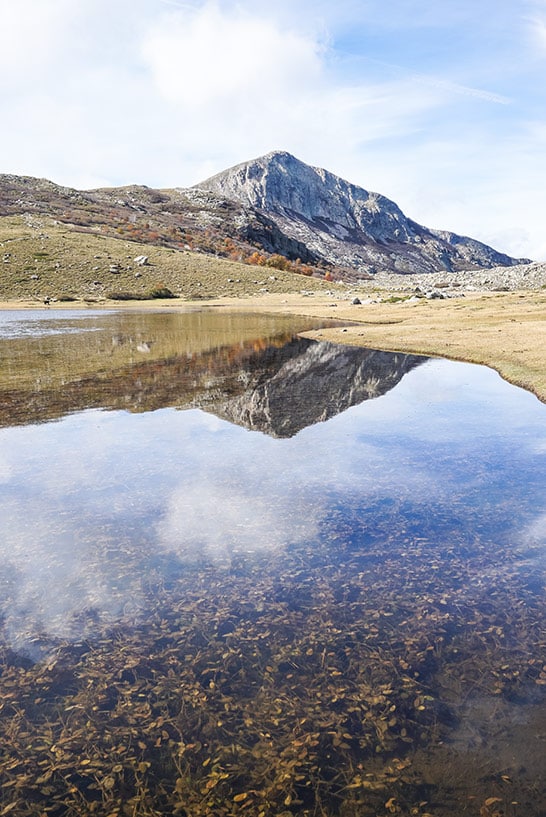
(463, 90)
(536, 20)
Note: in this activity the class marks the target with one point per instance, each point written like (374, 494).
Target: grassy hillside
(42, 258)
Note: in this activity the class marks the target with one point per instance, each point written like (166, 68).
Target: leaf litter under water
(293, 685)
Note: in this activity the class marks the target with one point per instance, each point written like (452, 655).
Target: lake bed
(246, 572)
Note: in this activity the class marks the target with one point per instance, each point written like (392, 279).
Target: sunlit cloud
(206, 56)
(537, 23)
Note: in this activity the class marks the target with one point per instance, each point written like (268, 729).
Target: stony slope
(345, 224)
(181, 219)
(519, 277)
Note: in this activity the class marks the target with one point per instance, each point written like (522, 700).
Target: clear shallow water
(20, 323)
(289, 599)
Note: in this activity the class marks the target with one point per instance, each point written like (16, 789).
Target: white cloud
(540, 32)
(537, 23)
(260, 87)
(206, 56)
(464, 90)
(30, 35)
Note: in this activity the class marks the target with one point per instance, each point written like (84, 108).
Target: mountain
(344, 224)
(274, 211)
(181, 218)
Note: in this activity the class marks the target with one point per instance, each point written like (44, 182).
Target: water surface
(244, 572)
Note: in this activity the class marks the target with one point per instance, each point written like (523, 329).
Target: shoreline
(503, 330)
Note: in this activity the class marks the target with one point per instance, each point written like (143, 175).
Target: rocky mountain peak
(280, 183)
(343, 223)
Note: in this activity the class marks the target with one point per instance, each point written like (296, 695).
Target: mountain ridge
(345, 224)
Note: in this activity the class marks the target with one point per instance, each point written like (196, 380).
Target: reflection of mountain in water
(306, 382)
(277, 385)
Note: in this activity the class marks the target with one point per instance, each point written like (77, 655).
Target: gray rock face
(345, 224)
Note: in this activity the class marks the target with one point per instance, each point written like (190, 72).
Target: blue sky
(439, 105)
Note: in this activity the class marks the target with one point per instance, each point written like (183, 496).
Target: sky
(438, 104)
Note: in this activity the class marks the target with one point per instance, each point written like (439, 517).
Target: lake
(244, 572)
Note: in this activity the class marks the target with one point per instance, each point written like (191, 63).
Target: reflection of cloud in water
(537, 531)
(213, 521)
(89, 504)
(52, 586)
(534, 541)
(58, 581)
(5, 471)
(92, 501)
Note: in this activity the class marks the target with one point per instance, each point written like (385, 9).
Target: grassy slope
(41, 258)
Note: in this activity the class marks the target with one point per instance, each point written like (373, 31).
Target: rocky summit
(346, 225)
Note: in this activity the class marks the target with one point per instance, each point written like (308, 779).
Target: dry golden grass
(505, 331)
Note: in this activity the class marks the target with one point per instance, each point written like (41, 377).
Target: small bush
(127, 296)
(161, 291)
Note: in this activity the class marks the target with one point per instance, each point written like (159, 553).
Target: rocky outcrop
(344, 224)
(501, 279)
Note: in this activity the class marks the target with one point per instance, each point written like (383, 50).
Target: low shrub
(157, 292)
(127, 296)
(161, 291)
